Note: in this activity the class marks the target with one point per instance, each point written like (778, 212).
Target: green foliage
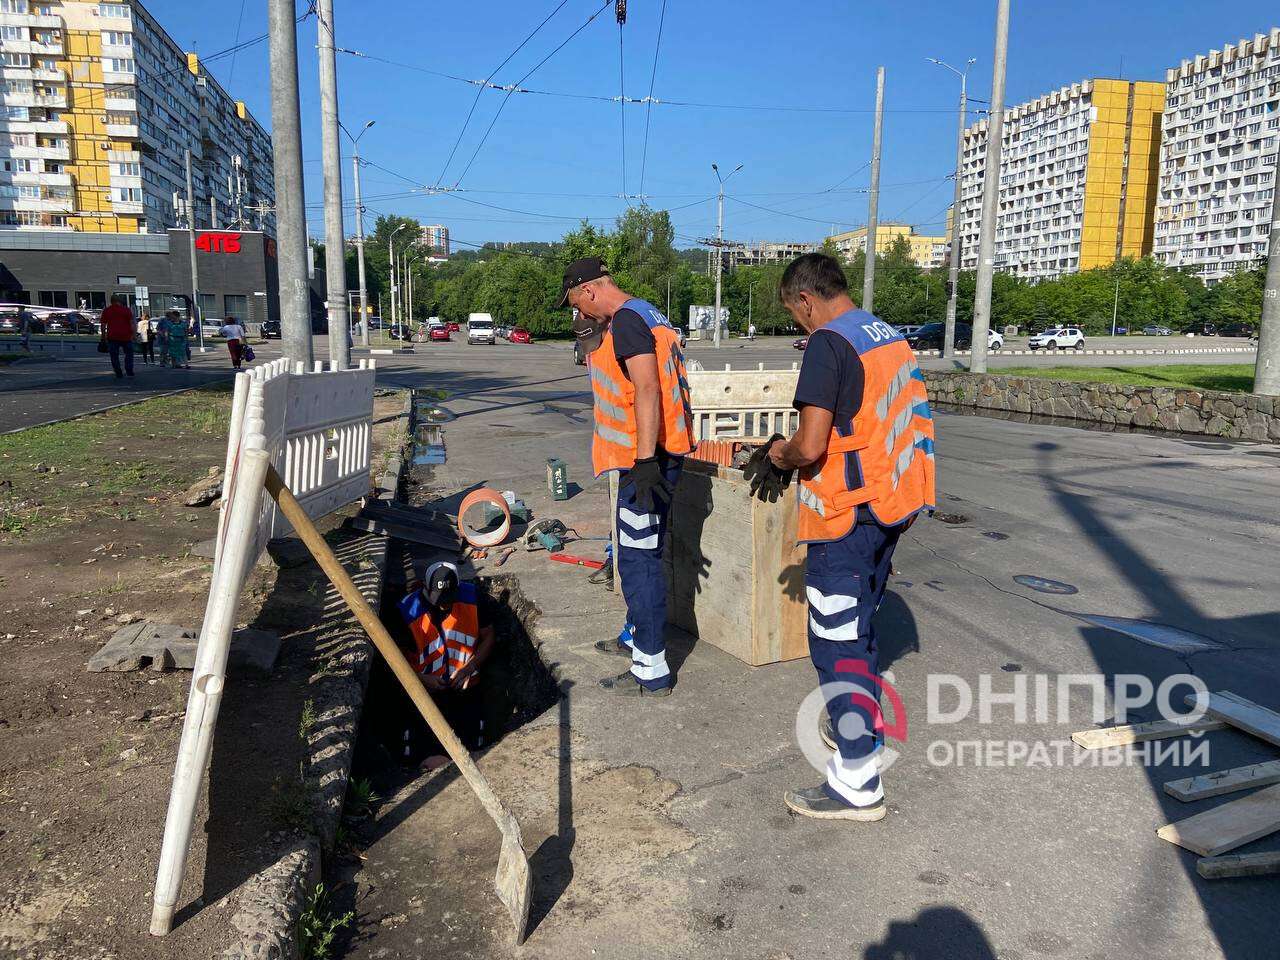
(318, 928)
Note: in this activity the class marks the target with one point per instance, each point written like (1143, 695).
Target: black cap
(579, 272)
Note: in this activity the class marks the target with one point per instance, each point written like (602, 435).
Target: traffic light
(620, 11)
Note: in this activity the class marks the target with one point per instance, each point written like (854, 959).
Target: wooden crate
(735, 573)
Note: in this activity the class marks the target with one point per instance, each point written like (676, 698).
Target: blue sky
(551, 160)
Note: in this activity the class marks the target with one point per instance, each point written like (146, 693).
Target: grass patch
(110, 464)
(1230, 377)
(318, 928)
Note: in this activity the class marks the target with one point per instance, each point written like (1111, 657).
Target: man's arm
(643, 371)
(484, 648)
(809, 442)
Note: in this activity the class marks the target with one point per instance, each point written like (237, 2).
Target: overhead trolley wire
(648, 107)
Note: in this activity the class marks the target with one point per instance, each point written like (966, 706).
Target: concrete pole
(335, 260)
(990, 197)
(873, 204)
(949, 333)
(391, 261)
(364, 290)
(715, 317)
(291, 218)
(1266, 377)
(195, 269)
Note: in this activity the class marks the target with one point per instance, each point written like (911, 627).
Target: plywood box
(735, 573)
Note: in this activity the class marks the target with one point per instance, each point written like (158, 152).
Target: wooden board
(1224, 781)
(403, 531)
(1138, 732)
(1239, 865)
(1229, 826)
(1243, 714)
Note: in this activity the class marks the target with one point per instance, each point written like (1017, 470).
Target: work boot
(604, 574)
(614, 647)
(818, 803)
(827, 730)
(626, 685)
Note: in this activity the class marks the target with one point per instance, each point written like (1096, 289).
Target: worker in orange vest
(452, 640)
(864, 450)
(643, 429)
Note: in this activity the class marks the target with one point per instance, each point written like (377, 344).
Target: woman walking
(176, 340)
(234, 334)
(147, 339)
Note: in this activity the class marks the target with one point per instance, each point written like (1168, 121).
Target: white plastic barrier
(743, 403)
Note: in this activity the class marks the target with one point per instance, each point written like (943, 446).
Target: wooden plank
(400, 531)
(1138, 732)
(1244, 714)
(1224, 781)
(1239, 865)
(1229, 826)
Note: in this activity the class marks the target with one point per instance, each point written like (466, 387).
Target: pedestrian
(235, 337)
(24, 327)
(751, 331)
(452, 640)
(176, 340)
(864, 449)
(643, 429)
(118, 330)
(146, 339)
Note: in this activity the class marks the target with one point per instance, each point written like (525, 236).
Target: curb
(1093, 353)
(98, 410)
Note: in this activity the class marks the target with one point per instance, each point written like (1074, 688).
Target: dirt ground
(93, 531)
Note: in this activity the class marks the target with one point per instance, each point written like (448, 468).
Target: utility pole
(668, 314)
(291, 218)
(195, 269)
(715, 318)
(364, 290)
(391, 260)
(213, 213)
(953, 281)
(873, 203)
(335, 260)
(1266, 377)
(990, 197)
(1115, 306)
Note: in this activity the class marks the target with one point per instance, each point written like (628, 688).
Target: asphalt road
(974, 861)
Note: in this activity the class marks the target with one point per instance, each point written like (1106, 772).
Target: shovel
(513, 879)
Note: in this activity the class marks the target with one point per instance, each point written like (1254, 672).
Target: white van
(480, 328)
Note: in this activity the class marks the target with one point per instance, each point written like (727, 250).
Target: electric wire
(622, 108)
(648, 107)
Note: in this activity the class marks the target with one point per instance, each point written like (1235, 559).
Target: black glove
(767, 481)
(759, 461)
(650, 485)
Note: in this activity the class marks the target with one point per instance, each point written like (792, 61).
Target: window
(116, 38)
(130, 168)
(14, 6)
(126, 194)
(13, 33)
(15, 165)
(237, 306)
(126, 281)
(52, 298)
(119, 11)
(91, 299)
(208, 305)
(118, 65)
(15, 59)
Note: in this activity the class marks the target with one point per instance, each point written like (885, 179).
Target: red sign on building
(213, 242)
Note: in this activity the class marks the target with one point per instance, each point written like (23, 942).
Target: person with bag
(643, 430)
(118, 331)
(176, 340)
(146, 339)
(235, 336)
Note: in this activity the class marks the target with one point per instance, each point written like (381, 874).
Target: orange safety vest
(613, 447)
(886, 460)
(444, 651)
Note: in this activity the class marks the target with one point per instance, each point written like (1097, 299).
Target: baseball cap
(579, 272)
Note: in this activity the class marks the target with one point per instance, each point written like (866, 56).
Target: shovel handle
(373, 626)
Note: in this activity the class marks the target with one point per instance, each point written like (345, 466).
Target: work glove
(651, 487)
(767, 481)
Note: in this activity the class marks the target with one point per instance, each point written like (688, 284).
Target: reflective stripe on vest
(445, 651)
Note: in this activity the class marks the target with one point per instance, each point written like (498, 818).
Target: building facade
(97, 108)
(926, 251)
(758, 254)
(435, 238)
(1218, 159)
(1078, 177)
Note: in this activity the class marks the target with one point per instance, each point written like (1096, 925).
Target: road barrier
(743, 403)
(316, 428)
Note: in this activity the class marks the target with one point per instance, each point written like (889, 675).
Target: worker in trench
(643, 429)
(452, 640)
(864, 452)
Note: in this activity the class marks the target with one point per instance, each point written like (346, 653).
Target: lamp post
(391, 261)
(953, 280)
(715, 317)
(364, 290)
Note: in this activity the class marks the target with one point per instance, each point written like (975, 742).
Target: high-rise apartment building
(1077, 179)
(1218, 159)
(97, 108)
(926, 251)
(435, 237)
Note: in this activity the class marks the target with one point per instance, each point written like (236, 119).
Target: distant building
(97, 106)
(1218, 159)
(435, 238)
(754, 255)
(926, 251)
(1078, 174)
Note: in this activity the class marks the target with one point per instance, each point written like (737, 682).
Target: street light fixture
(364, 290)
(715, 317)
(949, 329)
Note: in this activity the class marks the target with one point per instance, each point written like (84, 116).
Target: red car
(800, 343)
(520, 335)
(438, 332)
(453, 327)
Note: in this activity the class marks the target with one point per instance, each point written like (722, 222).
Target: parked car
(454, 326)
(1154, 330)
(1236, 330)
(995, 341)
(579, 357)
(800, 343)
(1122, 331)
(438, 332)
(10, 322)
(680, 333)
(907, 328)
(931, 335)
(520, 335)
(271, 330)
(481, 329)
(1058, 338)
(69, 321)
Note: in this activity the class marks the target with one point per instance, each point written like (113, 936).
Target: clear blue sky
(552, 160)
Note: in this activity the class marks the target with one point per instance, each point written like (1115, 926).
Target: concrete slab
(165, 646)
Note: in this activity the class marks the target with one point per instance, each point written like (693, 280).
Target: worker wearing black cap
(643, 429)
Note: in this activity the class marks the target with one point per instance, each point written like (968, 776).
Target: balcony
(120, 105)
(123, 131)
(50, 100)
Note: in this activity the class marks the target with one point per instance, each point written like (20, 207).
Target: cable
(485, 83)
(622, 102)
(648, 107)
(239, 25)
(507, 97)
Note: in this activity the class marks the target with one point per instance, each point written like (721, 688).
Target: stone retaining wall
(1230, 415)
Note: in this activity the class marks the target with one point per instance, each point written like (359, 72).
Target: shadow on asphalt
(933, 932)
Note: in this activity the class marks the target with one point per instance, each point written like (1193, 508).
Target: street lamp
(391, 259)
(715, 317)
(949, 333)
(364, 291)
(409, 283)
